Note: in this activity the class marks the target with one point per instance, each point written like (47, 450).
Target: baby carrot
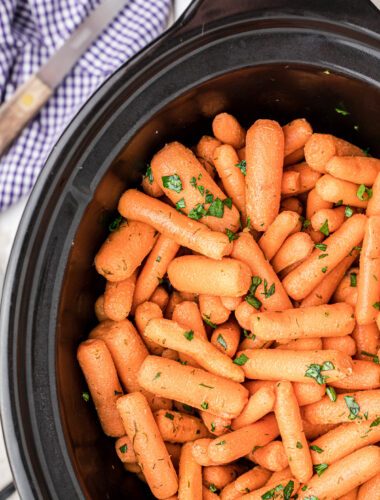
(320, 148)
(304, 392)
(302, 280)
(199, 451)
(154, 269)
(99, 309)
(228, 130)
(345, 344)
(251, 480)
(285, 224)
(370, 489)
(373, 207)
(160, 297)
(118, 297)
(143, 314)
(272, 456)
(293, 204)
(231, 303)
(216, 425)
(170, 334)
(124, 450)
(193, 386)
(173, 224)
(199, 274)
(259, 405)
(367, 340)
(176, 427)
(308, 177)
(296, 248)
(212, 310)
(275, 364)
(347, 290)
(296, 134)
(100, 373)
(151, 452)
(344, 475)
(286, 486)
(236, 444)
(316, 321)
(361, 170)
(187, 314)
(226, 337)
(289, 421)
(205, 148)
(368, 305)
(365, 375)
(290, 183)
(295, 157)
(333, 216)
(337, 190)
(124, 250)
(264, 157)
(314, 203)
(219, 475)
(243, 314)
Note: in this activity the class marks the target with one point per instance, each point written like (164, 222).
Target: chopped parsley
(253, 301)
(324, 229)
(221, 442)
(114, 225)
(299, 445)
(323, 255)
(149, 174)
(209, 197)
(189, 335)
(248, 222)
(288, 490)
(117, 392)
(158, 259)
(321, 246)
(204, 405)
(123, 448)
(374, 356)
(231, 235)
(243, 166)
(267, 293)
(375, 423)
(180, 204)
(193, 182)
(157, 375)
(353, 279)
(314, 371)
(206, 319)
(197, 212)
(353, 406)
(376, 305)
(324, 269)
(172, 182)
(316, 448)
(241, 360)
(228, 203)
(338, 203)
(306, 223)
(354, 248)
(331, 392)
(222, 342)
(169, 416)
(212, 488)
(248, 335)
(207, 386)
(348, 212)
(341, 111)
(362, 189)
(216, 209)
(320, 468)
(86, 397)
(213, 426)
(201, 189)
(160, 280)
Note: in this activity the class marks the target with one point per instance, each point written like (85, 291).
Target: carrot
(368, 305)
(187, 314)
(366, 375)
(175, 336)
(188, 185)
(231, 303)
(290, 183)
(308, 177)
(271, 456)
(292, 204)
(170, 222)
(361, 170)
(344, 475)
(226, 337)
(219, 475)
(320, 148)
(228, 130)
(243, 313)
(207, 494)
(285, 224)
(264, 157)
(124, 250)
(118, 297)
(347, 290)
(247, 250)
(226, 161)
(176, 427)
(305, 393)
(216, 425)
(174, 299)
(313, 204)
(289, 422)
(143, 314)
(373, 207)
(199, 451)
(100, 373)
(370, 489)
(124, 450)
(150, 185)
(99, 309)
(154, 269)
(345, 409)
(300, 282)
(251, 480)
(296, 134)
(239, 443)
(275, 364)
(333, 216)
(198, 274)
(259, 405)
(206, 148)
(367, 340)
(351, 495)
(296, 248)
(343, 440)
(212, 310)
(303, 344)
(336, 190)
(345, 344)
(191, 386)
(151, 452)
(313, 431)
(160, 297)
(278, 488)
(295, 157)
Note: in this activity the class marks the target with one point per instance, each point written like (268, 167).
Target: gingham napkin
(31, 31)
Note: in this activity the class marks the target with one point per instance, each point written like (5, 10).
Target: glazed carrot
(370, 489)
(308, 177)
(154, 269)
(239, 443)
(295, 157)
(264, 157)
(361, 170)
(187, 314)
(292, 204)
(216, 425)
(368, 305)
(289, 421)
(304, 392)
(206, 148)
(259, 405)
(367, 340)
(124, 450)
(366, 375)
(219, 475)
(313, 204)
(212, 309)
(174, 299)
(296, 134)
(199, 274)
(118, 297)
(343, 440)
(275, 364)
(320, 148)
(351, 495)
(271, 456)
(296, 248)
(344, 475)
(228, 130)
(323, 292)
(303, 344)
(160, 297)
(192, 386)
(344, 408)
(300, 282)
(151, 452)
(225, 161)
(336, 190)
(143, 314)
(373, 207)
(176, 427)
(285, 224)
(185, 182)
(124, 250)
(347, 290)
(313, 431)
(207, 494)
(226, 337)
(243, 313)
(175, 336)
(247, 250)
(345, 344)
(251, 480)
(150, 185)
(99, 309)
(333, 216)
(199, 451)
(290, 183)
(231, 303)
(170, 222)
(276, 487)
(100, 373)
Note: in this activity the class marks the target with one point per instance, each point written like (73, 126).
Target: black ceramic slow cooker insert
(278, 59)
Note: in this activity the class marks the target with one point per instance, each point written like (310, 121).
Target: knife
(28, 99)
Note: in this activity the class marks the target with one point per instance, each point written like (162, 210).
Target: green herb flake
(180, 204)
(338, 203)
(201, 189)
(373, 356)
(243, 167)
(304, 488)
(376, 305)
(114, 225)
(212, 488)
(241, 360)
(341, 111)
(222, 342)
(204, 405)
(158, 374)
(323, 255)
(123, 448)
(207, 386)
(366, 152)
(199, 177)
(299, 445)
(149, 174)
(306, 223)
(228, 203)
(253, 301)
(348, 212)
(375, 423)
(193, 182)
(316, 448)
(353, 406)
(353, 279)
(321, 246)
(216, 209)
(320, 468)
(206, 319)
(255, 448)
(324, 269)
(172, 182)
(327, 314)
(331, 392)
(187, 407)
(366, 415)
(158, 259)
(169, 416)
(209, 197)
(213, 426)
(268, 293)
(356, 127)
(160, 280)
(326, 72)
(249, 335)
(86, 397)
(197, 212)
(327, 365)
(374, 277)
(189, 335)
(362, 189)
(314, 371)
(354, 248)
(288, 490)
(231, 235)
(116, 393)
(221, 442)
(324, 229)
(248, 222)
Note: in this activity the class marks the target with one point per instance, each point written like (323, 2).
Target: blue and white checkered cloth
(30, 32)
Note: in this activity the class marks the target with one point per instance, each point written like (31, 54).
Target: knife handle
(21, 108)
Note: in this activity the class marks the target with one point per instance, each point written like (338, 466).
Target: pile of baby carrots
(237, 350)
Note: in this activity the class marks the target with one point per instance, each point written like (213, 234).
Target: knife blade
(28, 99)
